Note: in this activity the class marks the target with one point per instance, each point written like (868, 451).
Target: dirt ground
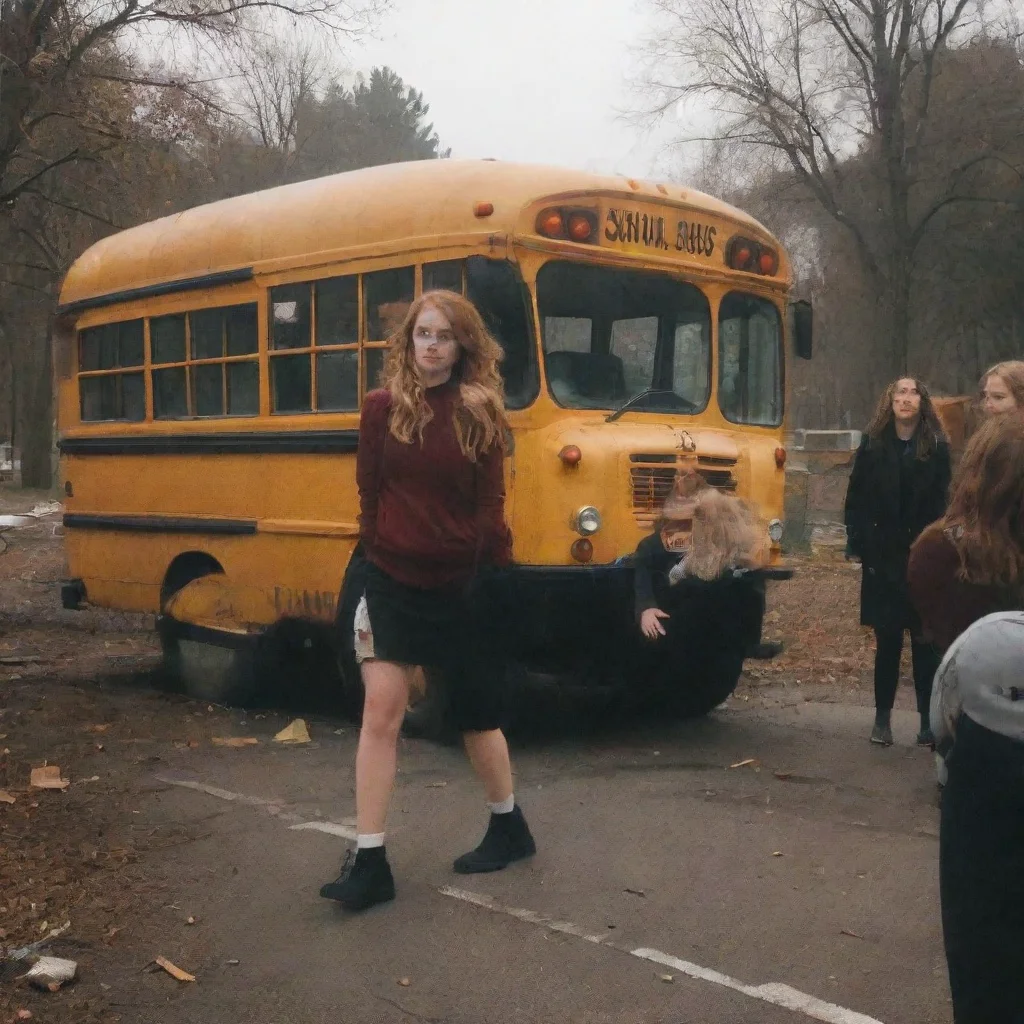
(76, 691)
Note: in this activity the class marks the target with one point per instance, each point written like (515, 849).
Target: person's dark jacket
(892, 496)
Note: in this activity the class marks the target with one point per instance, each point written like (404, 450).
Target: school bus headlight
(775, 530)
(587, 521)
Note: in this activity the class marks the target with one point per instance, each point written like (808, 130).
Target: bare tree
(50, 50)
(842, 90)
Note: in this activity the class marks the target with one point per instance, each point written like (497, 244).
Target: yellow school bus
(211, 367)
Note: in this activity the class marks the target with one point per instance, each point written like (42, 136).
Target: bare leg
(387, 695)
(488, 753)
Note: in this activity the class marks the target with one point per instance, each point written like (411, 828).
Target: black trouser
(888, 650)
(981, 877)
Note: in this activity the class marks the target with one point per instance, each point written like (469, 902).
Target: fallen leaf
(48, 777)
(295, 732)
(743, 764)
(234, 963)
(94, 778)
(405, 982)
(783, 775)
(23, 1015)
(6, 798)
(191, 920)
(777, 853)
(98, 728)
(174, 972)
(436, 785)
(234, 741)
(635, 892)
(667, 978)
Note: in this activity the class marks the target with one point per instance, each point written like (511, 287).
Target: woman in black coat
(898, 486)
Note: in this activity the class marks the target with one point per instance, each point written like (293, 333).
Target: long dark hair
(929, 429)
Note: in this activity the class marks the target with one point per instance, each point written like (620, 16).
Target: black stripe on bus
(159, 524)
(250, 442)
(149, 291)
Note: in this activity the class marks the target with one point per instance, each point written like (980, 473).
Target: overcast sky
(542, 81)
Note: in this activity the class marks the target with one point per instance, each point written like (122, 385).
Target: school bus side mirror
(803, 328)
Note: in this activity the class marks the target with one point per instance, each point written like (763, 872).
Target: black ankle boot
(365, 880)
(881, 734)
(507, 839)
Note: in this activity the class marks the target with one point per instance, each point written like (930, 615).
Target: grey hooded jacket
(982, 675)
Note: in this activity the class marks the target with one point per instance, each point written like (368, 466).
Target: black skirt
(452, 630)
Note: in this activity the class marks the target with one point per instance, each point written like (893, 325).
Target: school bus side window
(205, 363)
(314, 346)
(110, 387)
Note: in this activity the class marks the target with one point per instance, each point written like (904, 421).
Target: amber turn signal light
(571, 456)
(483, 209)
(753, 257)
(780, 457)
(550, 223)
(582, 550)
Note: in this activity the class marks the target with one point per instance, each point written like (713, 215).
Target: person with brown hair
(898, 486)
(1002, 388)
(431, 489)
(971, 562)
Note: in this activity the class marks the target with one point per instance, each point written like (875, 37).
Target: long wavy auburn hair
(985, 518)
(1011, 373)
(727, 534)
(929, 432)
(480, 420)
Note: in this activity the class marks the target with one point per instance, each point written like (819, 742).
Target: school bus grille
(651, 478)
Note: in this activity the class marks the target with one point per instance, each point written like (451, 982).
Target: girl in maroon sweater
(971, 562)
(431, 492)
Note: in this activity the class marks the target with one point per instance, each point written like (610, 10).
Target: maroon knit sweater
(947, 604)
(428, 515)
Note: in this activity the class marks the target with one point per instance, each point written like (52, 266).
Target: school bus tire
(208, 672)
(709, 685)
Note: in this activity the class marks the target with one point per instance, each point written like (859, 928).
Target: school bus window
(290, 319)
(611, 334)
(170, 393)
(337, 381)
(337, 311)
(389, 294)
(750, 360)
(292, 380)
(373, 366)
(107, 351)
(167, 339)
(199, 364)
(446, 274)
(241, 329)
(111, 346)
(117, 396)
(495, 290)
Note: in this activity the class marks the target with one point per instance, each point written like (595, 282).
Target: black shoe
(881, 735)
(766, 650)
(507, 839)
(925, 738)
(365, 880)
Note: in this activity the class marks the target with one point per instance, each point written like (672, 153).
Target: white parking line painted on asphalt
(272, 807)
(330, 827)
(775, 993)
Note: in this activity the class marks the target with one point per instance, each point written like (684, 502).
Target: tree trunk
(37, 418)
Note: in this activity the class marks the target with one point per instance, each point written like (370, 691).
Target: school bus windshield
(610, 335)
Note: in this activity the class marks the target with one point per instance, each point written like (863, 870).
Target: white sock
(505, 806)
(370, 842)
